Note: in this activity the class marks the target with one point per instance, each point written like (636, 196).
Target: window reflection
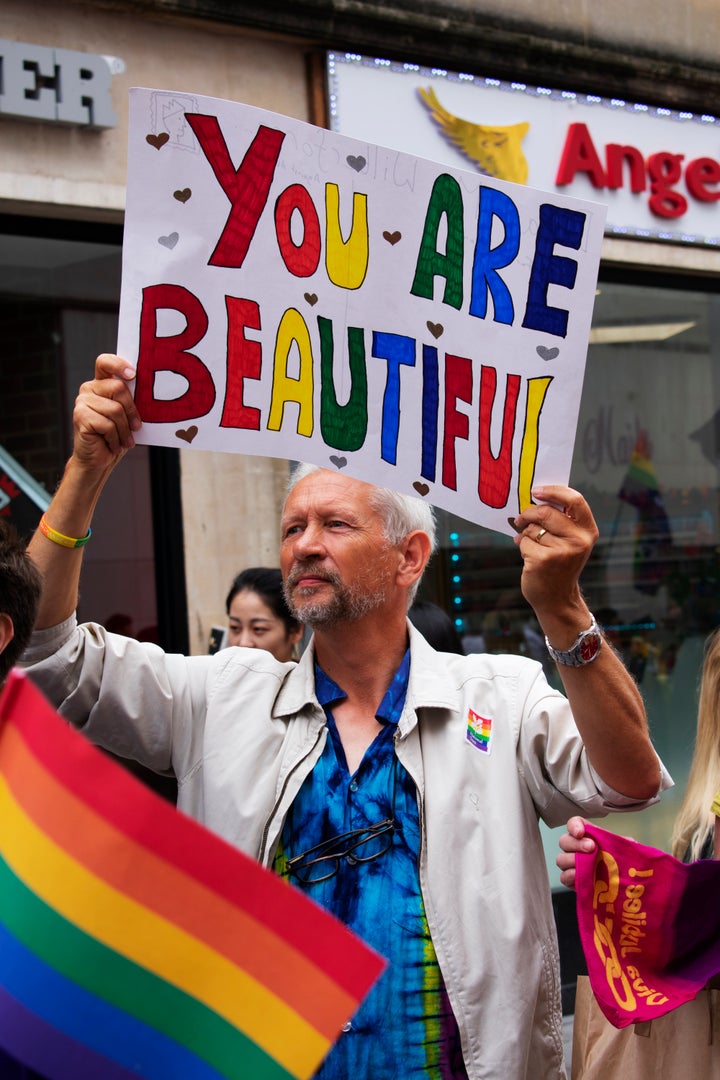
(646, 457)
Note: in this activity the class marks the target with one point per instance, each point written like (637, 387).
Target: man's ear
(7, 631)
(415, 552)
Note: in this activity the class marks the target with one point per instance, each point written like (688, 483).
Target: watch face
(589, 647)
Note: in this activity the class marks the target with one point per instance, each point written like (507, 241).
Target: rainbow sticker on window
(479, 731)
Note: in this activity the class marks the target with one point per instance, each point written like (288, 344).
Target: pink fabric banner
(649, 926)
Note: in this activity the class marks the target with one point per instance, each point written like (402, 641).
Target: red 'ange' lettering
(663, 170)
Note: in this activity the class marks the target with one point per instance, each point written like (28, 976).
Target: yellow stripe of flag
(151, 941)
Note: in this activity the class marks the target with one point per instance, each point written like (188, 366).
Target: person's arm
(104, 419)
(572, 841)
(556, 539)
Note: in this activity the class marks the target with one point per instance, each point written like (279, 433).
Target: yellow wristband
(60, 538)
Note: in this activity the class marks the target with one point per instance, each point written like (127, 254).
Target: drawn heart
(422, 489)
(158, 141)
(311, 298)
(339, 462)
(547, 354)
(392, 237)
(357, 163)
(187, 434)
(435, 328)
(169, 241)
(182, 195)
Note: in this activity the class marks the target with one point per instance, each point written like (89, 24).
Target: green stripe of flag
(128, 986)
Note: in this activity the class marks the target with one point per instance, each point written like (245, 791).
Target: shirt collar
(328, 692)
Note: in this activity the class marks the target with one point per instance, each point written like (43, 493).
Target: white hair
(400, 514)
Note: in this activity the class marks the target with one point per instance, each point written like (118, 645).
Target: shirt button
(354, 785)
(347, 1026)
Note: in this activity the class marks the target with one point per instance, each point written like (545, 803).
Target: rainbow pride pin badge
(479, 731)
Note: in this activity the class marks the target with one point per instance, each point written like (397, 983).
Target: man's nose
(309, 541)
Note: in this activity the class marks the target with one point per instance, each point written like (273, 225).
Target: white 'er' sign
(291, 292)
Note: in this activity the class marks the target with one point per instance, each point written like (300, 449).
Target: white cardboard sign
(291, 292)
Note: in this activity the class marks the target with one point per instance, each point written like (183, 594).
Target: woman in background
(692, 836)
(258, 617)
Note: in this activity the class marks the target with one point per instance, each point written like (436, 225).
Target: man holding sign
(396, 785)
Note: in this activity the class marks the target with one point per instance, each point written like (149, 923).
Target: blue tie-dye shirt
(405, 1028)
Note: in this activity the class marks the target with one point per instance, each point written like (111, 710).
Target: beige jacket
(242, 731)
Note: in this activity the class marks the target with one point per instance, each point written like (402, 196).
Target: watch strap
(583, 650)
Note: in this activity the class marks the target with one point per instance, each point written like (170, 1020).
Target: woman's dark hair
(266, 581)
(436, 626)
(20, 585)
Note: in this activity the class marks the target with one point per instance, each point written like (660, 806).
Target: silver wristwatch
(583, 651)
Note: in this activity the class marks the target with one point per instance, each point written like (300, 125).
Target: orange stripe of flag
(158, 885)
(156, 826)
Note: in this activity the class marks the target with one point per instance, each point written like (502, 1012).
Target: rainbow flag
(134, 942)
(479, 731)
(653, 542)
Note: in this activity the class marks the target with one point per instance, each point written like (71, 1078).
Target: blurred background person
(258, 617)
(436, 626)
(692, 836)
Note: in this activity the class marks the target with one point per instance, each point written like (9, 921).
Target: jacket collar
(431, 684)
(297, 691)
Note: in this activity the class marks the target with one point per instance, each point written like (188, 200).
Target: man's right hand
(105, 415)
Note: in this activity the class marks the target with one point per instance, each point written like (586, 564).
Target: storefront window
(646, 458)
(59, 292)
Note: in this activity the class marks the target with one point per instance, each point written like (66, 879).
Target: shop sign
(57, 85)
(656, 170)
(291, 292)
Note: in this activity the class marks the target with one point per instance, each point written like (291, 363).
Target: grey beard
(346, 604)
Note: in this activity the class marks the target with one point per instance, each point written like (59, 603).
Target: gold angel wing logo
(497, 151)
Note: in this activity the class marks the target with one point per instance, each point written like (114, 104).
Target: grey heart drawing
(547, 354)
(169, 241)
(182, 195)
(311, 298)
(338, 462)
(357, 163)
